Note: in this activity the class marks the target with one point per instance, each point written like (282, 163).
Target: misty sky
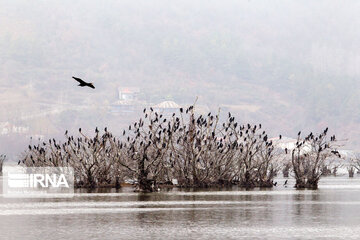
(289, 64)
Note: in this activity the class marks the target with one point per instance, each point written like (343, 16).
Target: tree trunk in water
(144, 184)
(300, 183)
(312, 183)
(266, 184)
(247, 183)
(90, 179)
(309, 183)
(117, 182)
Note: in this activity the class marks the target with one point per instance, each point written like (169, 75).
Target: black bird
(83, 83)
(325, 131)
(285, 182)
(280, 137)
(275, 184)
(336, 153)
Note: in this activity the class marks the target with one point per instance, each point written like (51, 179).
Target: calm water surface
(331, 212)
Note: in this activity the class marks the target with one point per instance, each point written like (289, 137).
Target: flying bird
(83, 83)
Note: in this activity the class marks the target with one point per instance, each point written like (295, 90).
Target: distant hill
(280, 64)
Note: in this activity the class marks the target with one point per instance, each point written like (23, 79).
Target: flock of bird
(174, 141)
(200, 138)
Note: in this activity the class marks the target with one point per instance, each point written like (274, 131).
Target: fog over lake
(288, 65)
(207, 119)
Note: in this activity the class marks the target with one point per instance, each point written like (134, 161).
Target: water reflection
(280, 213)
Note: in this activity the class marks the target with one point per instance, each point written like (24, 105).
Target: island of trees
(196, 150)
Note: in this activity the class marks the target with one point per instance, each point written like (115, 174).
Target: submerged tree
(254, 155)
(351, 171)
(354, 164)
(90, 157)
(2, 159)
(196, 150)
(309, 158)
(143, 151)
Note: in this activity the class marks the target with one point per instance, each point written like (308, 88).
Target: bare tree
(351, 171)
(90, 157)
(354, 164)
(197, 150)
(309, 156)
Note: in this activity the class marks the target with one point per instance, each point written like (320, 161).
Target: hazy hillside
(296, 64)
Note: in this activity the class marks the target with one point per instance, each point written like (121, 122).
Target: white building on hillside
(166, 107)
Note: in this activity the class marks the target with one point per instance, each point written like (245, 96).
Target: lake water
(331, 212)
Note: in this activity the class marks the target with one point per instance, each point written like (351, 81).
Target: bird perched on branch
(335, 152)
(82, 83)
(285, 182)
